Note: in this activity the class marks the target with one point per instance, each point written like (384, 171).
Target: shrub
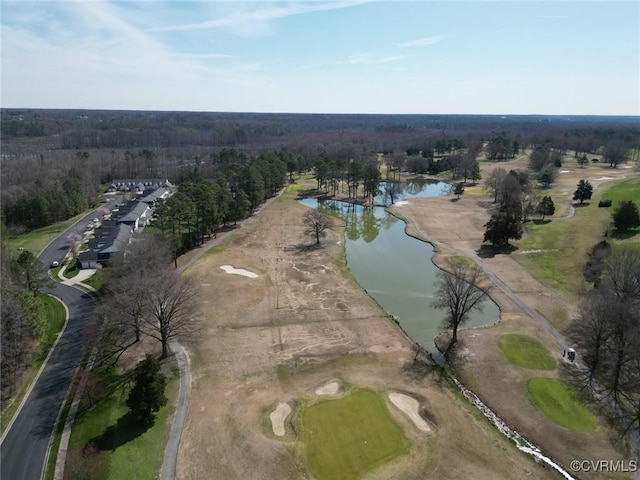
(604, 203)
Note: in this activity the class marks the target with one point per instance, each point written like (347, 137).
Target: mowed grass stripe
(349, 436)
(559, 401)
(526, 352)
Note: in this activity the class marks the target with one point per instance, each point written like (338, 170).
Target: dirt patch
(277, 337)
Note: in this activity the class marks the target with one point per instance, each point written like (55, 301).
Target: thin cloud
(422, 42)
(369, 59)
(256, 19)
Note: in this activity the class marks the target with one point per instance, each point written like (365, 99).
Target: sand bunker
(278, 416)
(401, 202)
(410, 406)
(239, 271)
(602, 178)
(564, 171)
(328, 389)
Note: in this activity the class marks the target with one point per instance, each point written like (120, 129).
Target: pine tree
(147, 395)
(584, 191)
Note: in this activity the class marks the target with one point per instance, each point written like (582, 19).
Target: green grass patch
(71, 271)
(36, 240)
(460, 260)
(125, 450)
(56, 316)
(526, 352)
(627, 190)
(350, 436)
(98, 280)
(559, 401)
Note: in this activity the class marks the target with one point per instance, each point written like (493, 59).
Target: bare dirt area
(301, 324)
(456, 227)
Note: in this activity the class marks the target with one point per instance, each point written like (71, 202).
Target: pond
(395, 269)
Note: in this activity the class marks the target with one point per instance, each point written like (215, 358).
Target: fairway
(347, 437)
(559, 401)
(526, 352)
(626, 190)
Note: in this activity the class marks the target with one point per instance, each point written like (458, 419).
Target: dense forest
(56, 162)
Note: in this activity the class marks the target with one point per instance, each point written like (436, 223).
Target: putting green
(526, 352)
(559, 401)
(347, 437)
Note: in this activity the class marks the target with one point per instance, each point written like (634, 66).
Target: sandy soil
(301, 324)
(411, 408)
(483, 366)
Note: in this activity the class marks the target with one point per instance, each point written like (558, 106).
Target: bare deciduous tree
(458, 292)
(170, 310)
(316, 224)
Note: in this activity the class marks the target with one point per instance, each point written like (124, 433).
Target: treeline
(58, 203)
(24, 321)
(607, 331)
(202, 206)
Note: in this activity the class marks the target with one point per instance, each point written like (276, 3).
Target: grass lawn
(36, 240)
(626, 190)
(526, 352)
(98, 279)
(349, 436)
(559, 401)
(124, 450)
(566, 242)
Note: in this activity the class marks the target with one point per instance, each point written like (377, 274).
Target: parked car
(55, 264)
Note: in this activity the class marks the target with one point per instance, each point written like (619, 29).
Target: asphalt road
(24, 447)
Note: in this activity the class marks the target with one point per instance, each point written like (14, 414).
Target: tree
(615, 154)
(32, 272)
(475, 172)
(170, 310)
(503, 225)
(546, 207)
(547, 175)
(458, 189)
(316, 224)
(494, 182)
(583, 160)
(458, 292)
(626, 216)
(584, 191)
(147, 394)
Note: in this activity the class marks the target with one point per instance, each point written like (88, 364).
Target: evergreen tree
(147, 395)
(626, 216)
(458, 189)
(546, 207)
(504, 225)
(584, 191)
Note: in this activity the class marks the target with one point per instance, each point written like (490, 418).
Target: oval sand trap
(278, 416)
(239, 271)
(328, 389)
(409, 406)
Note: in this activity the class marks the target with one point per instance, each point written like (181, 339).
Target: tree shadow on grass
(125, 430)
(618, 235)
(489, 251)
(539, 221)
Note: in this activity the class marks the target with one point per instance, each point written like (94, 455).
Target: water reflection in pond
(396, 269)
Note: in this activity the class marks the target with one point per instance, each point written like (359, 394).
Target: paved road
(25, 444)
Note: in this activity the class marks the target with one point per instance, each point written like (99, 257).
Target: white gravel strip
(328, 389)
(278, 416)
(410, 406)
(239, 271)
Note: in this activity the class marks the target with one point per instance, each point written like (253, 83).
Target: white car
(55, 264)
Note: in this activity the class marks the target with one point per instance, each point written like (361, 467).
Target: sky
(345, 56)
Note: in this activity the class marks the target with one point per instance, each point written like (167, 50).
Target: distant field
(559, 401)
(526, 352)
(347, 437)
